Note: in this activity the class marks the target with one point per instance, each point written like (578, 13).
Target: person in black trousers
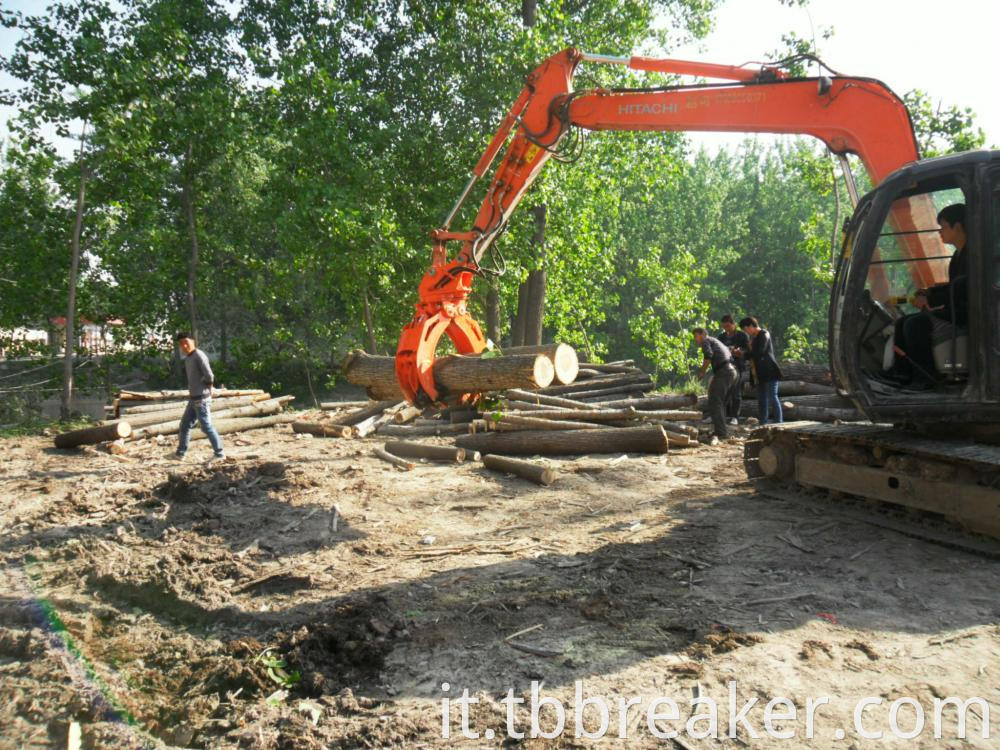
(946, 303)
(717, 356)
(738, 343)
(764, 371)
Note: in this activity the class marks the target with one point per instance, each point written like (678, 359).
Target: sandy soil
(303, 594)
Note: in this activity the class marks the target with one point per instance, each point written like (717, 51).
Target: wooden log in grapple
(646, 439)
(455, 373)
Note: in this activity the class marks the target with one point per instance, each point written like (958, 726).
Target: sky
(946, 49)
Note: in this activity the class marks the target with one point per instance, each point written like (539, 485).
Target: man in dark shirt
(738, 343)
(199, 406)
(724, 378)
(764, 370)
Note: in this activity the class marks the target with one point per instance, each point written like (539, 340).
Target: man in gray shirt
(724, 378)
(199, 406)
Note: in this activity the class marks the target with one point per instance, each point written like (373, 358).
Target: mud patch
(721, 642)
(347, 650)
(866, 648)
(812, 649)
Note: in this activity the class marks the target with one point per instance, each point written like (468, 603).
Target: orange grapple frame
(859, 116)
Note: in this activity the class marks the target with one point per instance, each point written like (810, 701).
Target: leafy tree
(942, 130)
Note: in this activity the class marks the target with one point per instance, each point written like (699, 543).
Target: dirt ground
(304, 594)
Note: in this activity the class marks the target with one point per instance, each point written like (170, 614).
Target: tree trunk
(188, 200)
(173, 426)
(69, 348)
(493, 313)
(563, 356)
(517, 324)
(525, 469)
(639, 380)
(91, 435)
(645, 439)
(394, 460)
(508, 422)
(423, 450)
(528, 8)
(320, 429)
(360, 415)
(402, 430)
(649, 403)
(455, 374)
(807, 372)
(225, 426)
(372, 345)
(580, 415)
(535, 311)
(152, 415)
(148, 397)
(540, 398)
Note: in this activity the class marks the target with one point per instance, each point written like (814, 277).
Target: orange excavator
(891, 248)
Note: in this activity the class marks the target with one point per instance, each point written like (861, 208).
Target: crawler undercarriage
(956, 480)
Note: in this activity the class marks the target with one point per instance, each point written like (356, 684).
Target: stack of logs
(806, 393)
(147, 414)
(539, 400)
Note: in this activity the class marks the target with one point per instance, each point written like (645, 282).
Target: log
(673, 415)
(835, 401)
(565, 362)
(611, 393)
(585, 372)
(607, 381)
(143, 408)
(456, 373)
(525, 469)
(650, 403)
(508, 422)
(645, 439)
(423, 450)
(528, 406)
(541, 398)
(263, 408)
(400, 430)
(809, 373)
(225, 426)
(330, 405)
(323, 429)
(93, 435)
(167, 415)
(595, 415)
(177, 395)
(459, 416)
(675, 437)
(368, 426)
(407, 414)
(371, 410)
(622, 366)
(402, 463)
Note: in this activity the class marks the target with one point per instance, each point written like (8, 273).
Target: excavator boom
(850, 115)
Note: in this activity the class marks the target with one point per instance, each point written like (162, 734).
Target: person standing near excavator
(764, 371)
(738, 343)
(724, 378)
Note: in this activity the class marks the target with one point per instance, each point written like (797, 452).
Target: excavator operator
(944, 308)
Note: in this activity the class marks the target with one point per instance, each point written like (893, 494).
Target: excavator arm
(850, 115)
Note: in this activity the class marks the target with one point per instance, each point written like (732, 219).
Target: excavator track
(955, 480)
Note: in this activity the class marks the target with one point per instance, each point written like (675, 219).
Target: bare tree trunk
(535, 314)
(493, 314)
(371, 347)
(528, 8)
(188, 199)
(517, 324)
(69, 348)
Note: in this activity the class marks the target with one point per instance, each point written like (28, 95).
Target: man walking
(724, 377)
(199, 406)
(738, 343)
(764, 369)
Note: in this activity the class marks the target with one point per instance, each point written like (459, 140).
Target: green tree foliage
(259, 169)
(942, 130)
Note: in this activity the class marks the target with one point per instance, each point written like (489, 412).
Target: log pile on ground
(537, 401)
(150, 414)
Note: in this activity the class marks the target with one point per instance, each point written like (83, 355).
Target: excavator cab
(892, 248)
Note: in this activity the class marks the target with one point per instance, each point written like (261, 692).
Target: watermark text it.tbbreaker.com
(597, 717)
